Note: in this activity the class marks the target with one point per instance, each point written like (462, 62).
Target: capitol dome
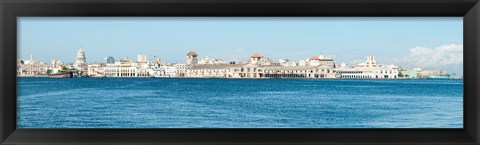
(81, 59)
(80, 53)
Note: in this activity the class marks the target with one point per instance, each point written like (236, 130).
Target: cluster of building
(257, 66)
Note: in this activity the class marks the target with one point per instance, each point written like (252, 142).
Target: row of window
(126, 74)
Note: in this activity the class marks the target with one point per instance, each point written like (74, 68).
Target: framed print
(239, 72)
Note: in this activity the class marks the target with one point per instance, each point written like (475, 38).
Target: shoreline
(239, 78)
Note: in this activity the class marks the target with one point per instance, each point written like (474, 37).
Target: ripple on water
(238, 103)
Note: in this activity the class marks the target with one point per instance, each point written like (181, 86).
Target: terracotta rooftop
(314, 58)
(191, 53)
(256, 55)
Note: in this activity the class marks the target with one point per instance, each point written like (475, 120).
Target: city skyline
(277, 38)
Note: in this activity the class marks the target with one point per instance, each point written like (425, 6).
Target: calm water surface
(238, 103)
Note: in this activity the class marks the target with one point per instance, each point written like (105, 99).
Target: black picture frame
(11, 9)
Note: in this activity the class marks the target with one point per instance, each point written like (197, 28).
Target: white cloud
(450, 54)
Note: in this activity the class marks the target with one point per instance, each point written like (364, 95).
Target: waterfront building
(257, 66)
(31, 67)
(81, 62)
(181, 69)
(169, 71)
(251, 70)
(212, 71)
(31, 60)
(109, 60)
(427, 73)
(96, 70)
(125, 68)
(369, 70)
(192, 58)
(246, 69)
(260, 67)
(299, 72)
(155, 70)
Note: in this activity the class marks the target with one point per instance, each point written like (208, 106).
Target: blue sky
(404, 41)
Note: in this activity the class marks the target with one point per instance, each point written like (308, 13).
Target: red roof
(256, 55)
(314, 58)
(191, 53)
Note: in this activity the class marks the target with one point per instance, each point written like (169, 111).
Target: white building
(319, 61)
(181, 69)
(81, 62)
(125, 68)
(369, 70)
(260, 67)
(96, 70)
(169, 71)
(31, 67)
(192, 58)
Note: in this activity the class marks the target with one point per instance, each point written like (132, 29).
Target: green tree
(49, 71)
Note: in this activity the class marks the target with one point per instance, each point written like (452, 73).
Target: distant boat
(439, 76)
(62, 75)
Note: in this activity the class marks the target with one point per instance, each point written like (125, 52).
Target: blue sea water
(238, 103)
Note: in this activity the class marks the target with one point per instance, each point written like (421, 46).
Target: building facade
(81, 60)
(125, 68)
(192, 58)
(369, 70)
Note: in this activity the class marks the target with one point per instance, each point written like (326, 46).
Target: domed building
(192, 58)
(81, 59)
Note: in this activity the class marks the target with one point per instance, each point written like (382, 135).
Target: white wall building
(81, 60)
(125, 68)
(96, 70)
(170, 71)
(369, 70)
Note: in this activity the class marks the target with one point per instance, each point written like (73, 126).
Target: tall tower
(81, 59)
(192, 58)
(371, 62)
(32, 59)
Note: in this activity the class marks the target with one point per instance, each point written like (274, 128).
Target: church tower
(192, 58)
